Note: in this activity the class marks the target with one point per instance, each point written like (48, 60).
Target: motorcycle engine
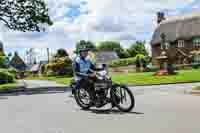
(101, 89)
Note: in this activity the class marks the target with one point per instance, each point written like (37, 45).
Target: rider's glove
(91, 76)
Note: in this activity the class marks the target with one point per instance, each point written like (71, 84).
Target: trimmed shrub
(122, 62)
(139, 60)
(6, 77)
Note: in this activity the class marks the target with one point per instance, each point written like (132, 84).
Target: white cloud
(122, 20)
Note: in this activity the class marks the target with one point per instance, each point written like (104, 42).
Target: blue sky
(95, 20)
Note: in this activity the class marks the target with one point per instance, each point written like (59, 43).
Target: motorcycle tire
(116, 99)
(79, 101)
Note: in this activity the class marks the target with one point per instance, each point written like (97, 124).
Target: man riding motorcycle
(94, 85)
(82, 67)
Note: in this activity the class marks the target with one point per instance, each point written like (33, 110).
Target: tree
(88, 44)
(59, 66)
(137, 48)
(2, 62)
(140, 62)
(61, 53)
(113, 46)
(24, 15)
(109, 46)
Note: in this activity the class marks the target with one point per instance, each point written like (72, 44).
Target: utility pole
(48, 54)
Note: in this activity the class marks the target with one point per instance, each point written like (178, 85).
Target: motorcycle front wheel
(82, 98)
(122, 98)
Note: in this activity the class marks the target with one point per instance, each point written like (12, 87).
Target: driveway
(158, 109)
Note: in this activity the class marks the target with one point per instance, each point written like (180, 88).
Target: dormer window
(161, 46)
(196, 42)
(181, 43)
(165, 45)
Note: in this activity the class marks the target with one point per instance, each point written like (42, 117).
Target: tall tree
(113, 46)
(109, 46)
(88, 44)
(61, 53)
(24, 15)
(137, 48)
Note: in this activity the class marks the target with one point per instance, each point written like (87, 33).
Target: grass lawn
(141, 78)
(7, 86)
(148, 78)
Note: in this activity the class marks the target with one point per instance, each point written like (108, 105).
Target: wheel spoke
(84, 96)
(121, 95)
(125, 100)
(125, 96)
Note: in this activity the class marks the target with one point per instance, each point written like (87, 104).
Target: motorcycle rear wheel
(79, 96)
(118, 97)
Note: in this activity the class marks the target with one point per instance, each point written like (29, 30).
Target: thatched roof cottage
(182, 36)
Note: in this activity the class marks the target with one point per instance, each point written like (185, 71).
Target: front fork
(121, 93)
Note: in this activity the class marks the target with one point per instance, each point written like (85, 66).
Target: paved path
(39, 83)
(158, 109)
(172, 88)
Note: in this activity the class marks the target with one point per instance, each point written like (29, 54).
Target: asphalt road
(158, 109)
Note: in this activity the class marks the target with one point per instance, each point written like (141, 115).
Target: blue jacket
(81, 67)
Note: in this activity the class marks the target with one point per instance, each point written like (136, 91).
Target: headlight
(102, 74)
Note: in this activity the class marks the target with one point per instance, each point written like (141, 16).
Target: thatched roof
(18, 63)
(179, 27)
(105, 56)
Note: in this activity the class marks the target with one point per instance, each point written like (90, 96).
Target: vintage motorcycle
(105, 92)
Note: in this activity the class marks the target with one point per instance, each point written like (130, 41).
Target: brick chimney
(160, 17)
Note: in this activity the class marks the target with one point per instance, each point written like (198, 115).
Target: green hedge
(122, 62)
(12, 71)
(6, 77)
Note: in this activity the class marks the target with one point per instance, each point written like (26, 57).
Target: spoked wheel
(123, 98)
(82, 98)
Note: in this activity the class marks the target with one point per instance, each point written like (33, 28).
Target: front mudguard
(113, 96)
(121, 85)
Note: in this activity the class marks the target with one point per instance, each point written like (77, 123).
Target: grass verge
(145, 78)
(7, 86)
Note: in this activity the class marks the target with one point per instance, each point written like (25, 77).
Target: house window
(196, 42)
(181, 43)
(197, 59)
